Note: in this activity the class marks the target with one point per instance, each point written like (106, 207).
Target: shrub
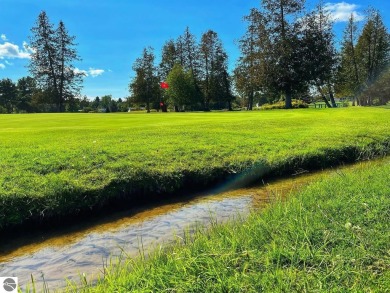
(281, 105)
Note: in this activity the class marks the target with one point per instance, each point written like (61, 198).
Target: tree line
(286, 53)
(25, 96)
(54, 84)
(196, 75)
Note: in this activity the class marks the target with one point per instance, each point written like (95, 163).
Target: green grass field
(334, 236)
(55, 165)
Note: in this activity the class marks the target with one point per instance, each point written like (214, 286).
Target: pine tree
(364, 57)
(373, 51)
(51, 60)
(214, 75)
(283, 29)
(349, 79)
(251, 73)
(145, 86)
(320, 55)
(169, 58)
(189, 57)
(69, 81)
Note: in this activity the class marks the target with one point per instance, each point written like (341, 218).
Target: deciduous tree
(26, 87)
(8, 95)
(181, 92)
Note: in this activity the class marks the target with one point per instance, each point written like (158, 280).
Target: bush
(3, 110)
(281, 105)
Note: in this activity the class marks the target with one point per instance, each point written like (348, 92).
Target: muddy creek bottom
(69, 255)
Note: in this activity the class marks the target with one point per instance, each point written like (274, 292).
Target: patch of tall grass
(334, 236)
(58, 165)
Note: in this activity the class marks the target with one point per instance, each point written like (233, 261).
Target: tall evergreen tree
(69, 80)
(43, 59)
(320, 55)
(364, 57)
(145, 86)
(250, 73)
(169, 57)
(349, 79)
(283, 30)
(189, 57)
(214, 76)
(373, 51)
(51, 60)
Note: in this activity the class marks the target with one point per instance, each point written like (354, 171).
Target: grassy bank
(56, 165)
(334, 236)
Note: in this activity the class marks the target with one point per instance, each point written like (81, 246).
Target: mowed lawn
(332, 236)
(58, 164)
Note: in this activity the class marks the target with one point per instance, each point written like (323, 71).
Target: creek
(88, 247)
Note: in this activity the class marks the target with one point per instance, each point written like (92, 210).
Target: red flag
(164, 85)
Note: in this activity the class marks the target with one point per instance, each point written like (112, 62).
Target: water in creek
(87, 248)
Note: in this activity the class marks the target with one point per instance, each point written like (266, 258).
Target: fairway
(61, 164)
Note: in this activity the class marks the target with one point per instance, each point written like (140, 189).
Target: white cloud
(27, 48)
(95, 72)
(9, 50)
(90, 72)
(3, 37)
(341, 12)
(2, 66)
(78, 71)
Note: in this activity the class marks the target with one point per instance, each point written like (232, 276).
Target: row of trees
(25, 96)
(19, 97)
(364, 62)
(197, 75)
(287, 52)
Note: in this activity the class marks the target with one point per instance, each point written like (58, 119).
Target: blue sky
(112, 34)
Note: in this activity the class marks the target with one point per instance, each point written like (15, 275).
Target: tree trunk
(358, 101)
(323, 97)
(176, 108)
(288, 99)
(206, 105)
(250, 103)
(331, 96)
(230, 106)
(326, 101)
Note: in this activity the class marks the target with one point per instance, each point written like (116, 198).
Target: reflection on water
(86, 251)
